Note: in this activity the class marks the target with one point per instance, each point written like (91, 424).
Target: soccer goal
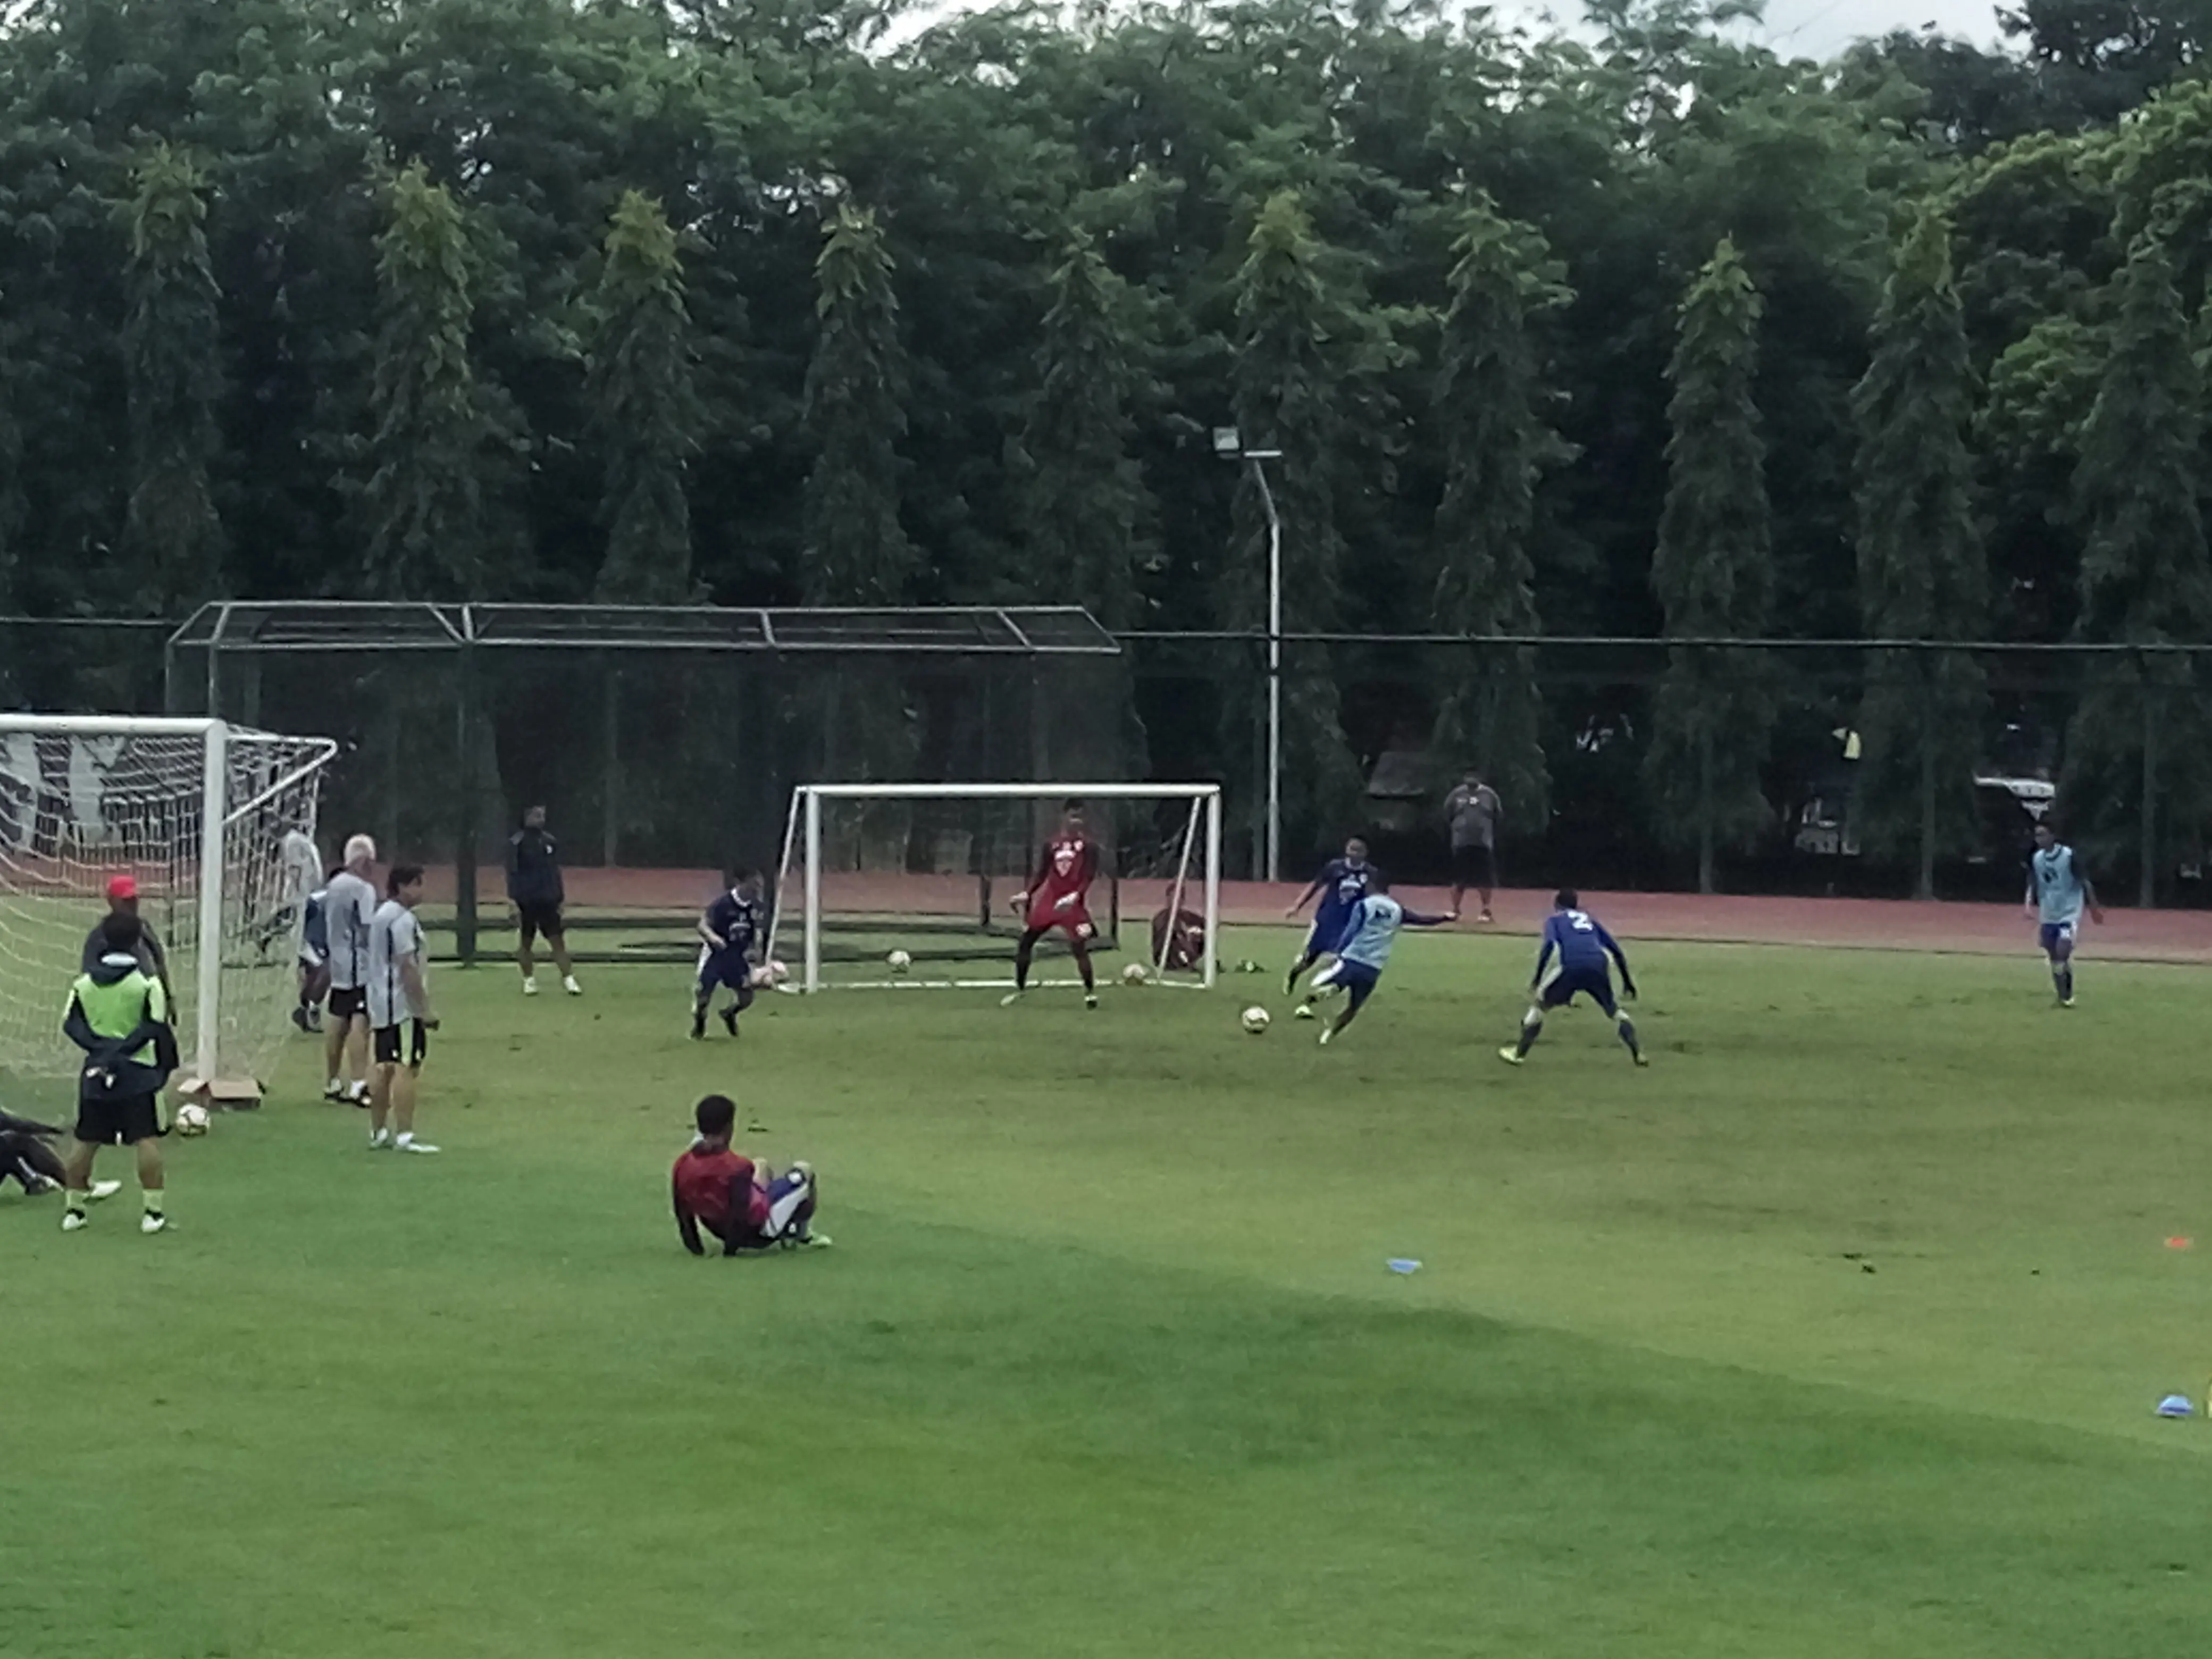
(215, 822)
(885, 885)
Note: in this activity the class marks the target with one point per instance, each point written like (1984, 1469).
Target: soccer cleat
(299, 1017)
(335, 1093)
(1640, 1057)
(1512, 1056)
(698, 1027)
(815, 1242)
(1090, 998)
(410, 1145)
(1303, 1011)
(2066, 1002)
(530, 988)
(380, 1141)
(152, 1222)
(358, 1094)
(73, 1220)
(1327, 1032)
(729, 1021)
(1484, 917)
(570, 985)
(100, 1189)
(1010, 998)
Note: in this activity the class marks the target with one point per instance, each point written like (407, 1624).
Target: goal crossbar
(802, 844)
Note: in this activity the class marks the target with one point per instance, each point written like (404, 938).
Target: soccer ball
(899, 961)
(777, 973)
(191, 1120)
(1255, 1020)
(1134, 973)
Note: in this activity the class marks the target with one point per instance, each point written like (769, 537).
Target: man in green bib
(118, 1014)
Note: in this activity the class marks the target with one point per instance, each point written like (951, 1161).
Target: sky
(1820, 28)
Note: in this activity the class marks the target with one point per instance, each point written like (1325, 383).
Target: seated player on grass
(744, 1204)
(1582, 945)
(1362, 952)
(1178, 937)
(730, 935)
(1342, 883)
(25, 1158)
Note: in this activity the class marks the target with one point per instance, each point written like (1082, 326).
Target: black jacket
(533, 868)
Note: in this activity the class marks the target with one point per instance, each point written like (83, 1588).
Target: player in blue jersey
(1582, 946)
(2058, 891)
(730, 934)
(1341, 884)
(1362, 951)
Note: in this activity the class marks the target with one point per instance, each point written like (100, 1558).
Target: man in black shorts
(399, 1017)
(120, 1016)
(1472, 809)
(535, 889)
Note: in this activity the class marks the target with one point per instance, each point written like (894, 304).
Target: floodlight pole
(1229, 445)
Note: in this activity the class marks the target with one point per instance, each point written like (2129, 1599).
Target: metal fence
(672, 738)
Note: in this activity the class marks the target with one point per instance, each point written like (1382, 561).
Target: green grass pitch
(1107, 1360)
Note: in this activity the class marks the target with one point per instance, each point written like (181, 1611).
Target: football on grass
(899, 961)
(1255, 1020)
(191, 1119)
(1134, 973)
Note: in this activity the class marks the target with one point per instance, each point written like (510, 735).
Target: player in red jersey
(747, 1206)
(1056, 895)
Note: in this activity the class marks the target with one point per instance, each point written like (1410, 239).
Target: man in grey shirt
(349, 906)
(1474, 810)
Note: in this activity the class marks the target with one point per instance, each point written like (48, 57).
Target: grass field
(1107, 1360)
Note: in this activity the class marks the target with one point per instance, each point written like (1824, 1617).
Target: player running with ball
(730, 935)
(1057, 897)
(1363, 952)
(1582, 945)
(2058, 892)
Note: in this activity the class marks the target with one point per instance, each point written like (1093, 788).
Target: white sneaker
(1010, 998)
(152, 1222)
(409, 1144)
(380, 1141)
(570, 985)
(1303, 1011)
(73, 1220)
(530, 988)
(100, 1189)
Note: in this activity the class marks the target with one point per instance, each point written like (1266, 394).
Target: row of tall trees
(1641, 330)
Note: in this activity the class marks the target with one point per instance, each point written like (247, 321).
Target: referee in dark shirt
(535, 889)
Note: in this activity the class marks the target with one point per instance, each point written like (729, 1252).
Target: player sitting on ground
(26, 1157)
(2058, 891)
(1178, 937)
(1363, 952)
(730, 934)
(1582, 945)
(1057, 897)
(746, 1205)
(1342, 883)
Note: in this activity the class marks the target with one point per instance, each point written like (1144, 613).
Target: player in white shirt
(349, 906)
(399, 1012)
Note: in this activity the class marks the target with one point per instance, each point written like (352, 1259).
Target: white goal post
(926, 870)
(215, 823)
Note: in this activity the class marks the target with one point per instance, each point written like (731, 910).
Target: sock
(2065, 977)
(1531, 1028)
(153, 1200)
(1628, 1033)
(78, 1198)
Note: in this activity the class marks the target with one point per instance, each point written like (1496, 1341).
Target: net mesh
(78, 808)
(938, 878)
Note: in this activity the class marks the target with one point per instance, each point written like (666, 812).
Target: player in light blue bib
(1362, 952)
(2058, 891)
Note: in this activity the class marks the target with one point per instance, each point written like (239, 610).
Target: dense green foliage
(1709, 1361)
(321, 297)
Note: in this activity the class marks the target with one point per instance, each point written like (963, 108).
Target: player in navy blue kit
(1341, 884)
(730, 935)
(1582, 947)
(2058, 891)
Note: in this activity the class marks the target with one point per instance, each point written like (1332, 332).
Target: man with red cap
(123, 901)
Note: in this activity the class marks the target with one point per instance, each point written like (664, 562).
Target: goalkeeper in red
(1058, 896)
(1572, 962)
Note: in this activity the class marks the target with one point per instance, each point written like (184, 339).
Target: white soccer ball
(899, 961)
(191, 1120)
(1134, 973)
(777, 973)
(1255, 1020)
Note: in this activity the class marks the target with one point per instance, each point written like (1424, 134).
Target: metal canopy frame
(231, 625)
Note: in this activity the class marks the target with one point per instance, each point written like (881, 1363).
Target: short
(540, 918)
(1321, 939)
(349, 1002)
(1474, 866)
(405, 1044)
(1074, 920)
(725, 969)
(1564, 984)
(1356, 978)
(121, 1122)
(2058, 938)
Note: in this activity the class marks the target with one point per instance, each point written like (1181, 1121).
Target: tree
(1496, 443)
(645, 415)
(1084, 497)
(857, 553)
(2139, 748)
(1922, 572)
(1713, 570)
(426, 495)
(172, 357)
(1299, 347)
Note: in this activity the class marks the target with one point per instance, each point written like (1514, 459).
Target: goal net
(215, 823)
(886, 885)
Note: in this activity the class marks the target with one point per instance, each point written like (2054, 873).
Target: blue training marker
(1401, 1264)
(2174, 1405)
